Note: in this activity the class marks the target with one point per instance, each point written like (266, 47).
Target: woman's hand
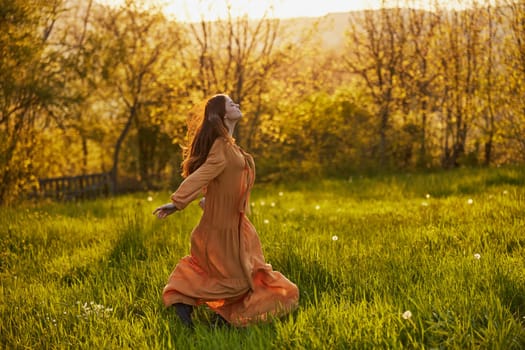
(165, 210)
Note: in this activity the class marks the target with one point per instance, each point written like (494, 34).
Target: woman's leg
(184, 312)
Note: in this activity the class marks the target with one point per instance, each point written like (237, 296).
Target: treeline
(86, 88)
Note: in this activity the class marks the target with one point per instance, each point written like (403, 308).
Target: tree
(237, 55)
(513, 53)
(79, 83)
(28, 87)
(459, 56)
(490, 82)
(375, 53)
(418, 76)
(139, 45)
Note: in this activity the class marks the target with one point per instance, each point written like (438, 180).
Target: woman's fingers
(164, 210)
(159, 212)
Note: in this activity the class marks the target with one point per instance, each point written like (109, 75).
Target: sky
(194, 10)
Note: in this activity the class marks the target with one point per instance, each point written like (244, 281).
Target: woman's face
(232, 110)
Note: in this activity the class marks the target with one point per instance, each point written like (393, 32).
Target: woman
(226, 268)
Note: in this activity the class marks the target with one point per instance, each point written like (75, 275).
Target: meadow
(402, 261)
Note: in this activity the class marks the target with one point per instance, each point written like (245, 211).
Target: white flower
(505, 192)
(317, 207)
(266, 221)
(427, 196)
(424, 204)
(262, 203)
(95, 309)
(272, 204)
(280, 194)
(407, 315)
(470, 201)
(335, 238)
(150, 198)
(477, 256)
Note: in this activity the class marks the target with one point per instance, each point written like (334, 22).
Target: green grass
(363, 251)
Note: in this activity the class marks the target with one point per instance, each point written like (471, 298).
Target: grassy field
(412, 261)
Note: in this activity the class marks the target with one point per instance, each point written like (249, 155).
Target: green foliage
(27, 87)
(318, 134)
(89, 88)
(363, 252)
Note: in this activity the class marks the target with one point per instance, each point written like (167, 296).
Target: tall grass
(414, 261)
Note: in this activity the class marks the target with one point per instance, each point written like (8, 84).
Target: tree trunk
(384, 114)
(118, 145)
(488, 151)
(84, 155)
(423, 140)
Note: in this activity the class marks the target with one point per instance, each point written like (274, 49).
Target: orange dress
(226, 268)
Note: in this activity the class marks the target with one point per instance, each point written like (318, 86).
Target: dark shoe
(219, 322)
(184, 312)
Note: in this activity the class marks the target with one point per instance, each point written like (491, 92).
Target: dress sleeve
(193, 185)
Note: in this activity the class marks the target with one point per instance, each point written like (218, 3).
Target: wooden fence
(75, 187)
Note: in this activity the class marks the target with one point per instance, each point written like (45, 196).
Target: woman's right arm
(165, 210)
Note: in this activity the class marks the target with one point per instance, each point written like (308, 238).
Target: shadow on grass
(309, 275)
(512, 294)
(128, 248)
(130, 244)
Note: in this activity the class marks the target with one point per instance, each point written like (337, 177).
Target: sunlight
(195, 10)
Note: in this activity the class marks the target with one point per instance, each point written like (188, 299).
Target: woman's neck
(230, 125)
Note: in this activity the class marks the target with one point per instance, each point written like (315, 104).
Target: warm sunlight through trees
(90, 88)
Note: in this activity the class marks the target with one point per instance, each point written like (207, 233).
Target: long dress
(226, 268)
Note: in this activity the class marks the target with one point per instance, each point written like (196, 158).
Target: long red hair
(201, 140)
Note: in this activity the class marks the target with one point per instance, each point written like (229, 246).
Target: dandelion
(505, 192)
(266, 221)
(477, 256)
(470, 201)
(272, 204)
(281, 194)
(95, 309)
(252, 204)
(334, 238)
(407, 315)
(317, 207)
(427, 196)
(263, 203)
(150, 198)
(424, 204)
